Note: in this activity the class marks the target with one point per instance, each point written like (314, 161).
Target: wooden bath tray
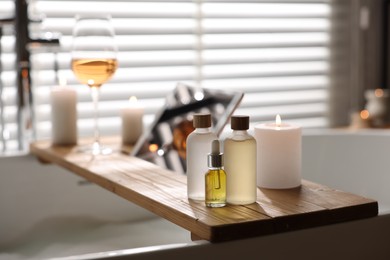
(164, 193)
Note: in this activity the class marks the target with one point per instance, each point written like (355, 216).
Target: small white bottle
(198, 146)
(240, 163)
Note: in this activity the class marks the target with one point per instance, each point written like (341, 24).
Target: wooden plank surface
(164, 193)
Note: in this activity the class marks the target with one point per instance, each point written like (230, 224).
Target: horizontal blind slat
(46, 61)
(260, 100)
(213, 1)
(107, 126)
(288, 111)
(111, 108)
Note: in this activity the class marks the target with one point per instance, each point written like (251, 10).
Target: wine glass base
(95, 149)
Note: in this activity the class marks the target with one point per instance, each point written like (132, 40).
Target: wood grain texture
(164, 193)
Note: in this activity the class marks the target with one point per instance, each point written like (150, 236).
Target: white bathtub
(47, 212)
(354, 161)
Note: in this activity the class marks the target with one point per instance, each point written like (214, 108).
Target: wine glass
(94, 62)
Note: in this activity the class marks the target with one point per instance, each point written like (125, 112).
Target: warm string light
(364, 114)
(153, 148)
(378, 92)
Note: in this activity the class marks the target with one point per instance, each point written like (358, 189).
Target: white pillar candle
(132, 121)
(63, 115)
(278, 155)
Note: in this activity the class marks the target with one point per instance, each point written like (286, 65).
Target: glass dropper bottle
(215, 179)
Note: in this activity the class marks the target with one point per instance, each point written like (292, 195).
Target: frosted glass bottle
(240, 163)
(198, 146)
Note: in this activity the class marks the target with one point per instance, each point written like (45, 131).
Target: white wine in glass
(94, 62)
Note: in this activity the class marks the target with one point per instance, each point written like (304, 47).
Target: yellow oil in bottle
(215, 178)
(215, 188)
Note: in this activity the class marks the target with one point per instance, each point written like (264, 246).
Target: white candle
(132, 121)
(278, 155)
(63, 115)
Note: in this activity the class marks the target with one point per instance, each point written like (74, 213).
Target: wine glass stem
(95, 99)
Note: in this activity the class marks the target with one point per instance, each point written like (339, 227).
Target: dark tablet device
(164, 142)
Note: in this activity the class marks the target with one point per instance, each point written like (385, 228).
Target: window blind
(8, 125)
(277, 52)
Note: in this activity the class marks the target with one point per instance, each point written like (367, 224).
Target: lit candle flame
(133, 99)
(278, 120)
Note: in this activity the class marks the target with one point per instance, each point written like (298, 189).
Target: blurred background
(310, 60)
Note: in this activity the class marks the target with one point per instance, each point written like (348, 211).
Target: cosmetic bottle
(240, 163)
(215, 179)
(197, 147)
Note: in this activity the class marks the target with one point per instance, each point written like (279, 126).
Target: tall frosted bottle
(240, 163)
(198, 147)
